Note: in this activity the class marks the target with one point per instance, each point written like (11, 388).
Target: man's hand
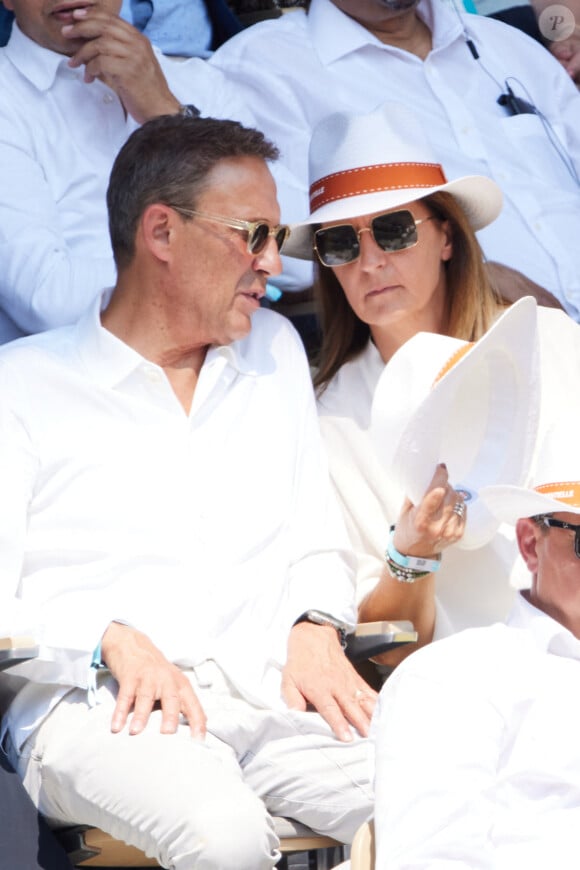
(145, 678)
(317, 672)
(122, 58)
(568, 53)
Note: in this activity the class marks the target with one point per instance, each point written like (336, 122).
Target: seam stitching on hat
(375, 166)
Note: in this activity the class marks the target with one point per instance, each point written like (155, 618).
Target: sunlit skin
(223, 300)
(43, 20)
(550, 557)
(394, 22)
(207, 285)
(402, 293)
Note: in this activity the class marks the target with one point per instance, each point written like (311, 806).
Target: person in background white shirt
(166, 511)
(76, 81)
(480, 731)
(352, 55)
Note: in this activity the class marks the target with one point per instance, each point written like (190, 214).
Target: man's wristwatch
(189, 111)
(318, 617)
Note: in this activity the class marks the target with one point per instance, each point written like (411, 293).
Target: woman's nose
(370, 253)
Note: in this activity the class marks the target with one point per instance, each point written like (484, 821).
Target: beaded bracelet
(403, 575)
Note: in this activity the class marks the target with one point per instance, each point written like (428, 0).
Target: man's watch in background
(189, 111)
(318, 617)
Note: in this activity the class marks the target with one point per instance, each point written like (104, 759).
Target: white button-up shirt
(210, 532)
(478, 758)
(297, 70)
(58, 139)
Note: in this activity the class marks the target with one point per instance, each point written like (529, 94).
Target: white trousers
(198, 804)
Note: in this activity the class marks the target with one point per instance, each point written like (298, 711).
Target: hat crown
(390, 134)
(553, 482)
(566, 491)
(556, 471)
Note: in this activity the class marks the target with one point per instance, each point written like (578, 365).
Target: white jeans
(193, 804)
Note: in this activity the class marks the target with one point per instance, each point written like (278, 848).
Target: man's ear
(527, 534)
(157, 226)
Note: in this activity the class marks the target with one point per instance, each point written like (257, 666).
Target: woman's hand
(436, 522)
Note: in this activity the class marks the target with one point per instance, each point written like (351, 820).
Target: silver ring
(459, 509)
(359, 694)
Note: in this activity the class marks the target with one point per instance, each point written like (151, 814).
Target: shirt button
(108, 98)
(153, 376)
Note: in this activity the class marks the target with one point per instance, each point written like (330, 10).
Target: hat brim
(511, 503)
(480, 418)
(480, 198)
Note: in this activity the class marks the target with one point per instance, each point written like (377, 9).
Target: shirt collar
(38, 65)
(371, 364)
(110, 360)
(549, 635)
(335, 35)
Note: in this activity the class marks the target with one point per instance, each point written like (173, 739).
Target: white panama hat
(555, 484)
(360, 164)
(473, 406)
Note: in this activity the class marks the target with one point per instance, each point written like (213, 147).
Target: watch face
(190, 111)
(324, 619)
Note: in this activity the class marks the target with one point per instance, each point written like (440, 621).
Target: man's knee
(227, 835)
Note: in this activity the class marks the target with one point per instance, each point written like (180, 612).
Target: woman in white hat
(398, 255)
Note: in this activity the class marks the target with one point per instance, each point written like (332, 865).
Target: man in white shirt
(354, 55)
(166, 510)
(76, 81)
(479, 731)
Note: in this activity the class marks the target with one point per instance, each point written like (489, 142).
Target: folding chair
(362, 852)
(90, 847)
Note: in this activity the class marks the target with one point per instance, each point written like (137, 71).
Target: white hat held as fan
(472, 406)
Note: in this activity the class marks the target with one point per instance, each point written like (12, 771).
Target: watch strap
(318, 617)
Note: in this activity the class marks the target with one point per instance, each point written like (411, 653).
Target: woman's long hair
(472, 304)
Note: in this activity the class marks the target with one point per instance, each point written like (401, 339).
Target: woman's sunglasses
(258, 232)
(393, 231)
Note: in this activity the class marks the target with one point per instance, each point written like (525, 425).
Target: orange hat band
(453, 360)
(567, 491)
(374, 179)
